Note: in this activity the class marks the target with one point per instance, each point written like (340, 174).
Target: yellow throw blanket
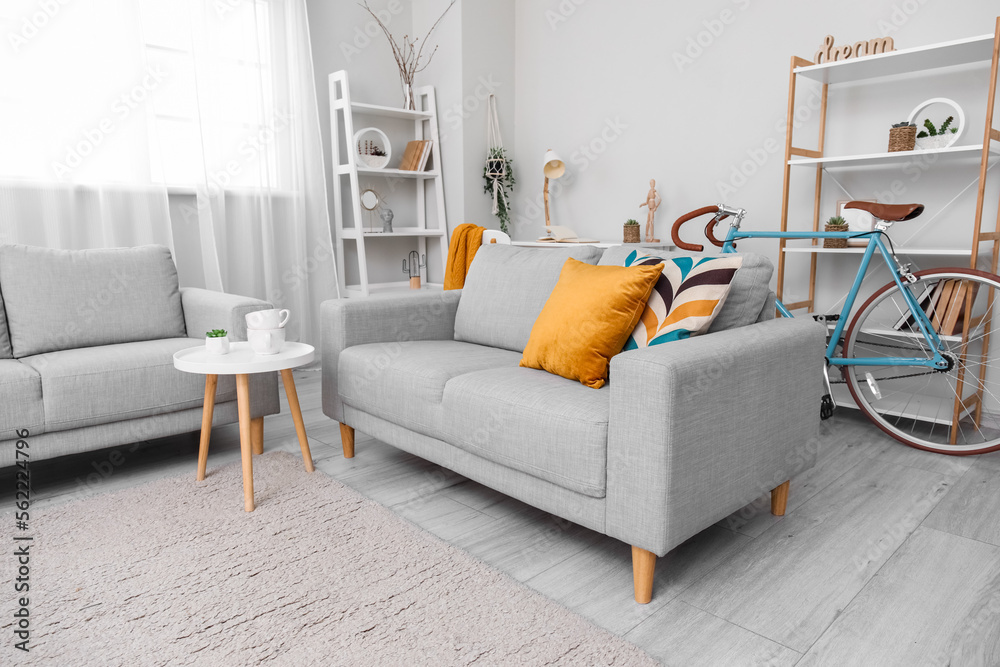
(465, 242)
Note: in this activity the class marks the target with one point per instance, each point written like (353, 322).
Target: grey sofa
(682, 435)
(87, 340)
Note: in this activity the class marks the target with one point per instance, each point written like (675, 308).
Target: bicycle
(915, 357)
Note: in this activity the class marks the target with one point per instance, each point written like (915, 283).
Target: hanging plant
(500, 181)
(499, 169)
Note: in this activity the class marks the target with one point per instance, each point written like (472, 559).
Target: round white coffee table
(241, 362)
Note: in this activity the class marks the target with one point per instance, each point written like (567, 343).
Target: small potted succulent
(631, 231)
(936, 137)
(217, 341)
(902, 136)
(836, 224)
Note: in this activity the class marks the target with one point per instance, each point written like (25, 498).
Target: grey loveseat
(682, 435)
(87, 339)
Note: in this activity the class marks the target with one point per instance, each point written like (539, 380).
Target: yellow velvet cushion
(587, 319)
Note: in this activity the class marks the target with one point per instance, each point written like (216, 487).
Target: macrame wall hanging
(499, 169)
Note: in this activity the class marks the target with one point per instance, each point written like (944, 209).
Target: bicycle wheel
(952, 411)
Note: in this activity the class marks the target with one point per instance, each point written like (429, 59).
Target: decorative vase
(631, 233)
(835, 243)
(217, 345)
(408, 102)
(902, 138)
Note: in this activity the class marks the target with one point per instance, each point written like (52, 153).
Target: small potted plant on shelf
(631, 231)
(217, 341)
(835, 224)
(936, 137)
(902, 136)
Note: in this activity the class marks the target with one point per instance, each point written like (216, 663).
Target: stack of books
(944, 303)
(415, 156)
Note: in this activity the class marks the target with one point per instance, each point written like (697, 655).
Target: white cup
(267, 319)
(266, 341)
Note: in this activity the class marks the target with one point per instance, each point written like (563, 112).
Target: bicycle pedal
(826, 407)
(873, 385)
(826, 318)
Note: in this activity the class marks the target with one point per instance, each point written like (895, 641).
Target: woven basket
(631, 233)
(835, 243)
(902, 138)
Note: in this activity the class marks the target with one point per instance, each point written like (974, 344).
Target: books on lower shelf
(944, 303)
(415, 155)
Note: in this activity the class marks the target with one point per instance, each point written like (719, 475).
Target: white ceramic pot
(937, 141)
(217, 345)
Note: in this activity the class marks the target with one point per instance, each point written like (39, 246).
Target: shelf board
(389, 112)
(967, 151)
(939, 252)
(921, 408)
(397, 173)
(921, 58)
(394, 288)
(397, 232)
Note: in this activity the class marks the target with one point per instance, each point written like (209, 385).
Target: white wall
(625, 92)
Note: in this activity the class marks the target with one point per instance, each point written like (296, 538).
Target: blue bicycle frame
(874, 242)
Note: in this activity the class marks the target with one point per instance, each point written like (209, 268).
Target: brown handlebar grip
(675, 230)
(710, 231)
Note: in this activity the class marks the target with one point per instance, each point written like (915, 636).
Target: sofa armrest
(349, 322)
(205, 310)
(701, 427)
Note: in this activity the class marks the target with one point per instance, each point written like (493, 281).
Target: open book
(559, 234)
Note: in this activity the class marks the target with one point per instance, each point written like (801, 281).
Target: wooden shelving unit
(984, 48)
(343, 111)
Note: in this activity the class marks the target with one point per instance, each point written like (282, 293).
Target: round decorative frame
(378, 138)
(952, 137)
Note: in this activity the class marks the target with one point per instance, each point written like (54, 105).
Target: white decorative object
(369, 139)
(217, 344)
(941, 140)
(266, 341)
(267, 319)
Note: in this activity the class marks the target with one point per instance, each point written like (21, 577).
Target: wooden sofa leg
(347, 439)
(643, 566)
(779, 498)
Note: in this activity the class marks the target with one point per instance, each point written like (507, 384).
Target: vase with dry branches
(408, 56)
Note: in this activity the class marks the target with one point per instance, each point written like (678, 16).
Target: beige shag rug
(176, 573)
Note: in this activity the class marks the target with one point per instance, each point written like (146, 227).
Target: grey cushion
(404, 382)
(747, 295)
(65, 299)
(505, 290)
(529, 420)
(20, 400)
(97, 385)
(5, 350)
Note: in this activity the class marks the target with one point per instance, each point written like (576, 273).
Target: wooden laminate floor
(887, 555)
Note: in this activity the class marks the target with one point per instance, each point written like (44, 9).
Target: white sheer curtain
(191, 123)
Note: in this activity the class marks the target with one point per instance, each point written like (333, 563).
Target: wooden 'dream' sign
(829, 53)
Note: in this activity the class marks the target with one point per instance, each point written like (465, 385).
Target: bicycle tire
(921, 413)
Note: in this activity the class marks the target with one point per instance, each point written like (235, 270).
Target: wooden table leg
(300, 426)
(243, 403)
(207, 410)
(257, 434)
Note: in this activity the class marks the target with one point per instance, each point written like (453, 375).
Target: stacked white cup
(266, 330)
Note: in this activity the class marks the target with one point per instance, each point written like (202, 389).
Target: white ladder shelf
(425, 126)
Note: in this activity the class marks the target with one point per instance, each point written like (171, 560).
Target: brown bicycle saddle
(888, 212)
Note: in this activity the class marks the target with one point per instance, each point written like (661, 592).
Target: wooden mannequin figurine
(653, 203)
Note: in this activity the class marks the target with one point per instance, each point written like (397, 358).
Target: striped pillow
(687, 297)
